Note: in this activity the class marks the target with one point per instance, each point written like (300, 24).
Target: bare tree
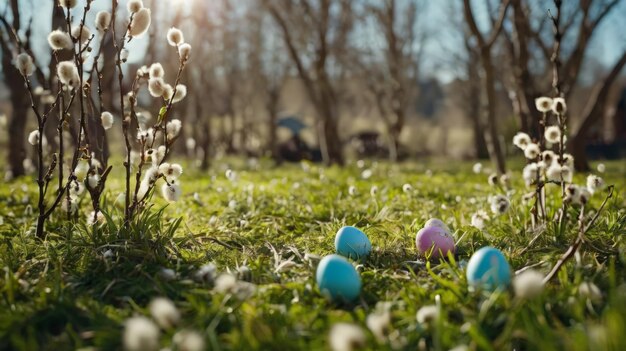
(485, 44)
(314, 32)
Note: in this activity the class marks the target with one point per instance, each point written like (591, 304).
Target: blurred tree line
(344, 56)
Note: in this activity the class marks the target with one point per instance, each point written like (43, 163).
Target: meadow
(237, 257)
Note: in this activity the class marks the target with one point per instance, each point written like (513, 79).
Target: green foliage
(75, 289)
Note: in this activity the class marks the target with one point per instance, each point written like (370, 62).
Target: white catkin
(156, 71)
(68, 73)
(25, 64)
(81, 33)
(141, 23)
(103, 21)
(184, 51)
(60, 40)
(181, 92)
(68, 3)
(156, 86)
(134, 6)
(107, 120)
(175, 36)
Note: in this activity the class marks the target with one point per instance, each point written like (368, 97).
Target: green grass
(62, 293)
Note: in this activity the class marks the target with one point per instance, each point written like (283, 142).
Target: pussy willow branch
(582, 230)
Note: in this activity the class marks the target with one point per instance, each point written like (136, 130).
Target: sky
(444, 40)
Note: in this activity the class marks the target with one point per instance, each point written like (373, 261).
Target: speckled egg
(488, 269)
(352, 243)
(434, 242)
(436, 222)
(337, 279)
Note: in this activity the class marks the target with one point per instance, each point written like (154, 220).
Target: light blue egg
(352, 243)
(337, 279)
(488, 269)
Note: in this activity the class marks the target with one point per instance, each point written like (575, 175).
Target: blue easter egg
(337, 278)
(488, 269)
(352, 243)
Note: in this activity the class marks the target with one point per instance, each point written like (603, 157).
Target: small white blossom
(175, 36)
(492, 179)
(559, 106)
(548, 157)
(346, 337)
(124, 55)
(499, 204)
(477, 168)
(528, 284)
(181, 93)
(24, 64)
(553, 134)
(521, 140)
(173, 128)
(568, 160)
(373, 190)
(543, 104)
(103, 21)
(407, 188)
(171, 171)
(532, 151)
(93, 180)
(352, 190)
(594, 183)
(479, 219)
(60, 40)
(601, 167)
(164, 312)
(427, 314)
(33, 137)
(206, 273)
(134, 6)
(141, 23)
(379, 323)
(188, 340)
(106, 118)
(558, 173)
(530, 173)
(93, 218)
(141, 334)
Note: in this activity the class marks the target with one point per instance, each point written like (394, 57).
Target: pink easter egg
(435, 241)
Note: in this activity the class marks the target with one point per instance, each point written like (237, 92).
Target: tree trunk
(593, 113)
(495, 149)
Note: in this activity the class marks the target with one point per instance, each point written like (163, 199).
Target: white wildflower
(521, 140)
(156, 87)
(124, 55)
(373, 190)
(156, 70)
(93, 218)
(559, 106)
(352, 190)
(106, 118)
(225, 283)
(530, 173)
(68, 73)
(407, 188)
(427, 314)
(171, 171)
(601, 167)
(134, 6)
(171, 192)
(60, 40)
(548, 157)
(33, 137)
(141, 334)
(81, 170)
(568, 160)
(93, 180)
(379, 323)
(206, 273)
(477, 168)
(594, 183)
(590, 290)
(543, 104)
(528, 284)
(24, 64)
(558, 173)
(493, 179)
(532, 151)
(346, 337)
(553, 134)
(189, 340)
(141, 23)
(164, 312)
(103, 21)
(499, 204)
(175, 36)
(479, 219)
(184, 52)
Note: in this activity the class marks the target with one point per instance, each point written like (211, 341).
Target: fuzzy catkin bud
(184, 51)
(103, 21)
(68, 3)
(25, 64)
(181, 92)
(156, 71)
(141, 23)
(175, 37)
(60, 40)
(156, 87)
(134, 6)
(81, 33)
(68, 73)
(107, 120)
